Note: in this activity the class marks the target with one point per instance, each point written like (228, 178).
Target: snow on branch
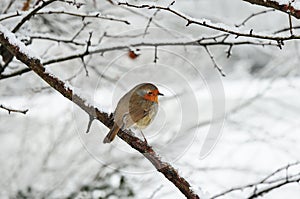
(141, 146)
(215, 26)
(31, 14)
(283, 6)
(203, 41)
(281, 177)
(83, 15)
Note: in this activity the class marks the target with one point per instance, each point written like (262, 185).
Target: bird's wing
(137, 112)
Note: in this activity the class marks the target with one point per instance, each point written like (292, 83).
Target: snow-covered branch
(18, 49)
(219, 27)
(286, 8)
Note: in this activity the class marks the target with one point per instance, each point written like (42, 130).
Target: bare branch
(155, 54)
(5, 54)
(149, 22)
(198, 42)
(10, 16)
(10, 110)
(269, 184)
(59, 40)
(214, 62)
(286, 29)
(253, 15)
(276, 5)
(31, 14)
(290, 22)
(229, 51)
(261, 192)
(208, 24)
(88, 44)
(8, 6)
(83, 16)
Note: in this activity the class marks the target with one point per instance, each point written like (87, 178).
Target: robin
(136, 108)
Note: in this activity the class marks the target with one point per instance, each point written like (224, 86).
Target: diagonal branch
(8, 56)
(31, 14)
(267, 184)
(219, 68)
(83, 16)
(20, 51)
(286, 8)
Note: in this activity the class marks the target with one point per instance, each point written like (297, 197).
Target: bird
(137, 108)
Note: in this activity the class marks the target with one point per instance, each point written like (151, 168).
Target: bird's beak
(160, 94)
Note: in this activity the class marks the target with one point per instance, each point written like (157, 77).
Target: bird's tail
(111, 134)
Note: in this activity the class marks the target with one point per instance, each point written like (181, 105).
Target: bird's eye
(150, 93)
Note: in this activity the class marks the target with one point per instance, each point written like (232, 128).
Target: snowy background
(46, 153)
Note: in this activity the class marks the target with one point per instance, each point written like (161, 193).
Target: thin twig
(60, 40)
(155, 54)
(31, 14)
(139, 44)
(83, 16)
(11, 16)
(208, 24)
(214, 62)
(228, 52)
(272, 183)
(8, 6)
(290, 21)
(10, 110)
(253, 15)
(80, 30)
(88, 44)
(156, 191)
(149, 22)
(286, 29)
(277, 5)
(91, 119)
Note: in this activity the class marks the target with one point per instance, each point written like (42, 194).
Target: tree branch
(286, 8)
(210, 41)
(31, 14)
(13, 110)
(8, 56)
(18, 49)
(213, 26)
(267, 183)
(252, 16)
(219, 68)
(83, 16)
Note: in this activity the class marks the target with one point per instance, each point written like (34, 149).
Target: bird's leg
(143, 136)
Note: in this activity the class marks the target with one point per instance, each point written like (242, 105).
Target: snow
(295, 4)
(235, 92)
(48, 150)
(14, 41)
